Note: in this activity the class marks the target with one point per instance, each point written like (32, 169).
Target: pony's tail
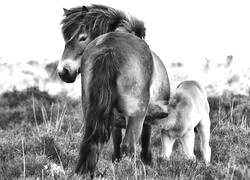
(102, 96)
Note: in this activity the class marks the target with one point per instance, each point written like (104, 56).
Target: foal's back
(195, 95)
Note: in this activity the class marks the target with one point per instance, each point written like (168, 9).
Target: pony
(188, 109)
(80, 27)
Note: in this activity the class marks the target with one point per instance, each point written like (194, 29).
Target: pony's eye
(82, 37)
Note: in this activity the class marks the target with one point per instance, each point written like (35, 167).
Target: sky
(178, 31)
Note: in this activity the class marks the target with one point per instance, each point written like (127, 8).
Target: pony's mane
(97, 20)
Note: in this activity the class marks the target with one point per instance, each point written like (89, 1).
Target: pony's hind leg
(117, 139)
(204, 131)
(133, 132)
(187, 142)
(167, 144)
(146, 154)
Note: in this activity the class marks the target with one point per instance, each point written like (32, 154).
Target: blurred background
(207, 41)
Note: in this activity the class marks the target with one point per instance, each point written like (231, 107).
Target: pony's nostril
(63, 72)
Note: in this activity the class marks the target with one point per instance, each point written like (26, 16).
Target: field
(41, 126)
(40, 136)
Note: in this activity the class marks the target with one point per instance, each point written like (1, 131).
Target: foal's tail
(102, 96)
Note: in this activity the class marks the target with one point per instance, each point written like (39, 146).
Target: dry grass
(48, 149)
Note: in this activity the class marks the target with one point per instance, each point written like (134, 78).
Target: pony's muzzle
(66, 75)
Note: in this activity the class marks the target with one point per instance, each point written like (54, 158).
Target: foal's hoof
(191, 157)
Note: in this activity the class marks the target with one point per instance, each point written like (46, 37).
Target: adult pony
(188, 109)
(116, 73)
(81, 26)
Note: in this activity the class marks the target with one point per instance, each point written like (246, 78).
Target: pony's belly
(159, 88)
(157, 108)
(155, 90)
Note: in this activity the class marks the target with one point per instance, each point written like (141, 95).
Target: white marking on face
(69, 64)
(60, 66)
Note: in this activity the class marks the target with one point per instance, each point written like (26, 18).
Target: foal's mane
(97, 20)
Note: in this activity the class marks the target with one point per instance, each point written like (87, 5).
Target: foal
(188, 109)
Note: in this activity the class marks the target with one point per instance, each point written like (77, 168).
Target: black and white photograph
(125, 90)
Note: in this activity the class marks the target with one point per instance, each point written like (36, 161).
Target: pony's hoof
(116, 157)
(127, 150)
(84, 170)
(80, 168)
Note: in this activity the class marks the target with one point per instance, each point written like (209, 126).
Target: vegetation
(40, 136)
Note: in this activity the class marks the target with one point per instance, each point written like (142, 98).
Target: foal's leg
(146, 153)
(117, 139)
(167, 144)
(188, 144)
(204, 130)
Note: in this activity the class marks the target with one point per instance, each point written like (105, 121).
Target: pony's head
(83, 24)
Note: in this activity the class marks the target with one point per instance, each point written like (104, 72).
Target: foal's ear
(66, 11)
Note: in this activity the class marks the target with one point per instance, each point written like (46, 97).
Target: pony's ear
(66, 11)
(84, 9)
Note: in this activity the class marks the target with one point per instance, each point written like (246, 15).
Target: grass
(40, 136)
